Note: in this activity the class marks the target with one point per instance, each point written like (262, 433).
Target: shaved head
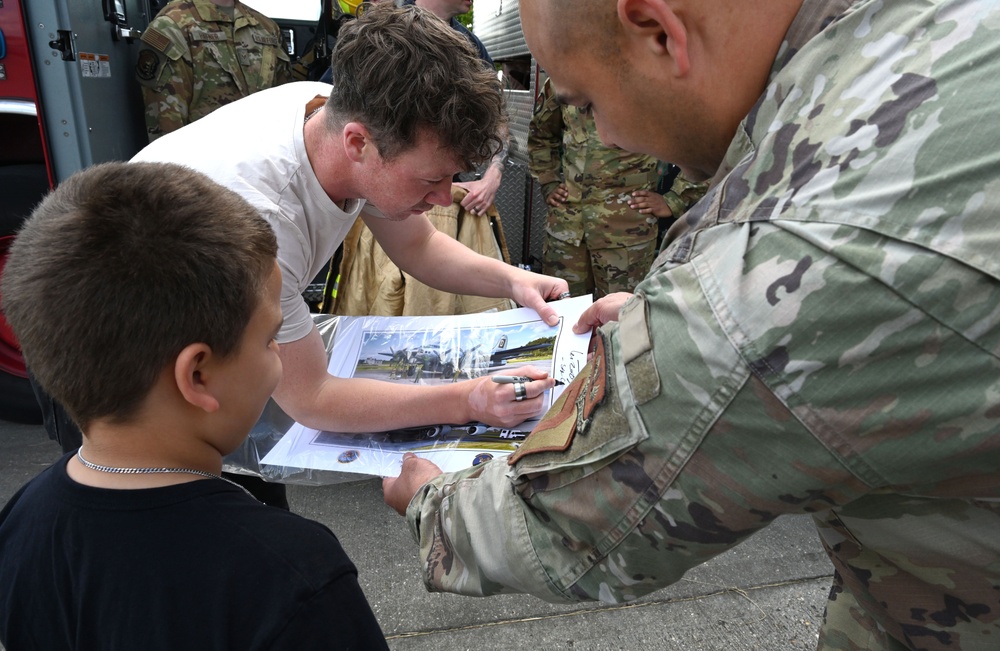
(578, 22)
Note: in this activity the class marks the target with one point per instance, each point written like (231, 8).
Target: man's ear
(659, 27)
(193, 375)
(358, 143)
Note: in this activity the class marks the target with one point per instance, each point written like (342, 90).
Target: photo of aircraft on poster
(431, 351)
(465, 353)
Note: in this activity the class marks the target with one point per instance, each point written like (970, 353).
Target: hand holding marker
(511, 379)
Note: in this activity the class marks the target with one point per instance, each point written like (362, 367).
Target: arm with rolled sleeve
(739, 388)
(672, 469)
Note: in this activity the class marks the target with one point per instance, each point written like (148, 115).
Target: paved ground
(767, 594)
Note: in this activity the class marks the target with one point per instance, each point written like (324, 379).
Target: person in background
(818, 334)
(134, 541)
(448, 10)
(198, 55)
(594, 239)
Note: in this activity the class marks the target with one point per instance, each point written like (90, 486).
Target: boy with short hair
(146, 300)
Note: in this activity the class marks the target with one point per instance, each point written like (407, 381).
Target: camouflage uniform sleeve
(686, 455)
(683, 194)
(545, 140)
(283, 71)
(703, 433)
(166, 76)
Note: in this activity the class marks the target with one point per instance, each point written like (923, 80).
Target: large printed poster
(434, 351)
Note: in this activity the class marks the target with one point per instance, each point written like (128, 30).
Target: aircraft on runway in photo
(423, 361)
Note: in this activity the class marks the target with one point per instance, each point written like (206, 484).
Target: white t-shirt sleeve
(294, 259)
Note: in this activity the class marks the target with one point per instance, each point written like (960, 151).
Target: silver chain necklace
(314, 112)
(150, 471)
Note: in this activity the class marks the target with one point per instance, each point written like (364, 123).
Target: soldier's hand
(650, 203)
(398, 491)
(558, 196)
(496, 404)
(602, 311)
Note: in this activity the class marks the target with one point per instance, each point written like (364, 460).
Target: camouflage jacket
(195, 57)
(563, 147)
(820, 337)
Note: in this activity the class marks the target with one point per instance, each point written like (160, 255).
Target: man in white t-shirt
(413, 106)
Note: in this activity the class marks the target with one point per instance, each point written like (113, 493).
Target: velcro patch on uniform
(555, 431)
(634, 331)
(637, 350)
(597, 381)
(644, 378)
(205, 35)
(147, 64)
(264, 39)
(155, 39)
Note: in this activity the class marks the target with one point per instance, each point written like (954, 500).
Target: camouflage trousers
(597, 271)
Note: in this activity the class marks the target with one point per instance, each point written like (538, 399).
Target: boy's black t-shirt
(199, 565)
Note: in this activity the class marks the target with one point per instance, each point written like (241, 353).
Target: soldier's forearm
(440, 518)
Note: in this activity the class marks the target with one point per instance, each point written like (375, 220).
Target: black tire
(17, 400)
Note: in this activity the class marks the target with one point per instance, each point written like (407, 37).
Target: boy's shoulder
(288, 538)
(38, 489)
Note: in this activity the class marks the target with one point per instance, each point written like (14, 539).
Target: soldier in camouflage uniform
(198, 55)
(820, 335)
(594, 239)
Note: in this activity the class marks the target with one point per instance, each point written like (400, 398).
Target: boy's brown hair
(121, 267)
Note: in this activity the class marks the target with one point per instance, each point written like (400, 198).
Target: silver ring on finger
(520, 393)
